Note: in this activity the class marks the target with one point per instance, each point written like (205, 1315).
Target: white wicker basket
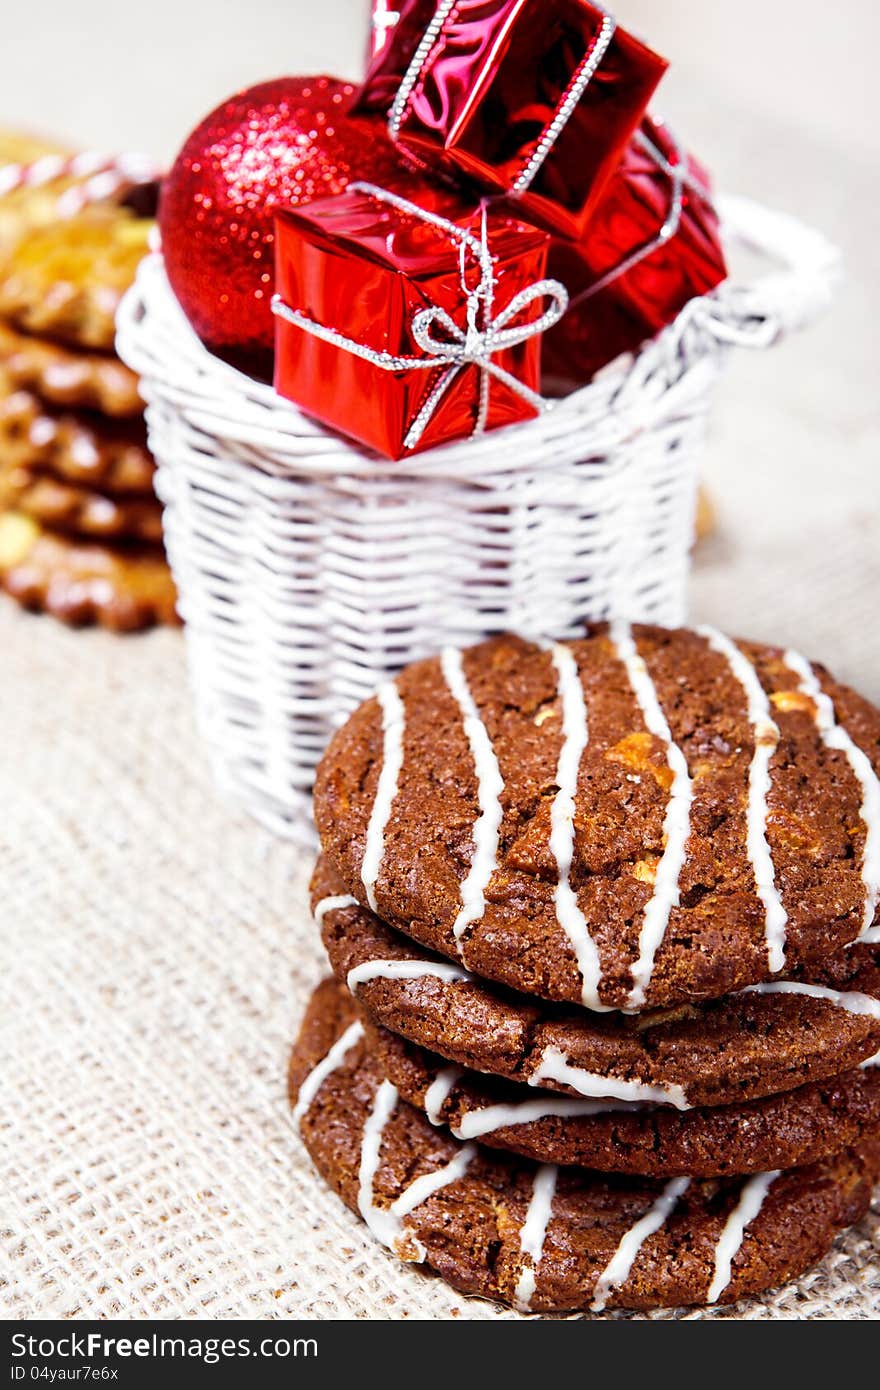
(308, 568)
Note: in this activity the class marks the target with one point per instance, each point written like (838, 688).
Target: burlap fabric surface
(156, 946)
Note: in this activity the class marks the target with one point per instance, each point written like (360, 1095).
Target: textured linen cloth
(156, 946)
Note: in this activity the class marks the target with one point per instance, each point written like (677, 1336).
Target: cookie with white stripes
(787, 1130)
(644, 817)
(761, 1041)
(543, 1238)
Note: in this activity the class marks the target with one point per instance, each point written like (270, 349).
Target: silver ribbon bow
(483, 336)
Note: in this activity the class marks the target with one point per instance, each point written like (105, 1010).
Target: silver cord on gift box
(573, 93)
(677, 172)
(414, 71)
(681, 178)
(565, 110)
(474, 345)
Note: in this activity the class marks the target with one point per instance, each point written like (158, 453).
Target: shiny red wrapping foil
(492, 84)
(384, 15)
(637, 304)
(364, 268)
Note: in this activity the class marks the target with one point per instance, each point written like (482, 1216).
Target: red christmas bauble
(280, 144)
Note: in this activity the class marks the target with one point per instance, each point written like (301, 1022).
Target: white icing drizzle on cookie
(318, 1075)
(473, 1124)
(335, 903)
(575, 731)
(618, 1268)
(420, 1189)
(851, 1000)
(766, 735)
(490, 786)
(387, 1223)
(555, 1067)
(438, 1093)
(752, 1198)
(404, 970)
(676, 824)
(533, 1233)
(835, 736)
(870, 1062)
(386, 1227)
(393, 723)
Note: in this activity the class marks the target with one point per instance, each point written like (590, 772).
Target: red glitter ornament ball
(280, 144)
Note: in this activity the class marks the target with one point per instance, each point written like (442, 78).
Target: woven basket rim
(625, 396)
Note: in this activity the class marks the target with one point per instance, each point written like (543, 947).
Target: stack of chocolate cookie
(80, 525)
(605, 1021)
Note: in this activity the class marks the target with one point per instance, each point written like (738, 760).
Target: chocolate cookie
(645, 817)
(782, 1131)
(123, 587)
(763, 1040)
(65, 377)
(545, 1238)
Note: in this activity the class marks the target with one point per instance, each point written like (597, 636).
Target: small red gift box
(533, 98)
(409, 325)
(653, 244)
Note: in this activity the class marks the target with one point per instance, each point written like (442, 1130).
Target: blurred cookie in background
(63, 376)
(78, 446)
(66, 280)
(80, 524)
(28, 200)
(123, 586)
(77, 510)
(42, 180)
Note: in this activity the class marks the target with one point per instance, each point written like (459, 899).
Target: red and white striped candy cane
(102, 177)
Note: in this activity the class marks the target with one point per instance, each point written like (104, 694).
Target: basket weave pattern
(309, 569)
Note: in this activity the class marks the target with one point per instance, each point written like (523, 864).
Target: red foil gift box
(531, 98)
(384, 16)
(653, 244)
(406, 326)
